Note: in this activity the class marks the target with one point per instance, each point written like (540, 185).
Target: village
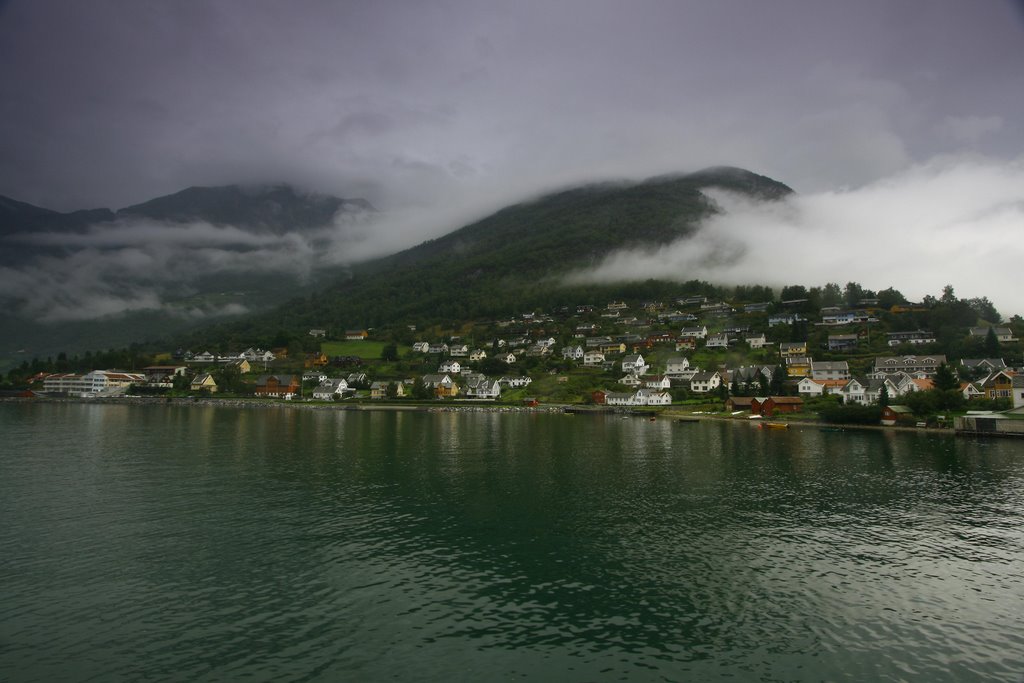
(695, 353)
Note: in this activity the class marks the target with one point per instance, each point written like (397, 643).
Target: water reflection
(210, 543)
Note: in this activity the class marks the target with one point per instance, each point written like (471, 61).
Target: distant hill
(18, 217)
(516, 257)
(75, 257)
(273, 208)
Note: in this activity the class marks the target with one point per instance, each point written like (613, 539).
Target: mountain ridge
(276, 208)
(516, 255)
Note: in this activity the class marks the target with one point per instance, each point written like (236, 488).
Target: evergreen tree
(991, 343)
(420, 390)
(883, 397)
(945, 379)
(734, 388)
(778, 382)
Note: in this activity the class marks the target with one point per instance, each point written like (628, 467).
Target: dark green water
(205, 544)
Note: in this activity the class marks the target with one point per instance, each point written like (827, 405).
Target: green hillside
(514, 258)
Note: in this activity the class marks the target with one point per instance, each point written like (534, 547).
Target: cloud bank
(952, 221)
(143, 265)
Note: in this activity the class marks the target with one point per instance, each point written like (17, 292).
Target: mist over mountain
(95, 278)
(278, 209)
(519, 256)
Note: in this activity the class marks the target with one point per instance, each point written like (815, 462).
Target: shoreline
(264, 404)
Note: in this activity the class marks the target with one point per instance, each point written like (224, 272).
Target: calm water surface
(209, 544)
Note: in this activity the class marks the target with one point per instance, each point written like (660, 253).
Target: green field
(367, 350)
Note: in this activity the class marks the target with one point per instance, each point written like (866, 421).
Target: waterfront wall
(989, 426)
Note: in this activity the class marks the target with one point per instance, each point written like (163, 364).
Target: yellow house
(793, 349)
(798, 366)
(242, 365)
(613, 348)
(379, 390)
(316, 360)
(204, 382)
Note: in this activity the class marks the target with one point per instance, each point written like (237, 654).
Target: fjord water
(189, 544)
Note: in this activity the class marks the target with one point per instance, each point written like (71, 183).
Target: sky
(439, 112)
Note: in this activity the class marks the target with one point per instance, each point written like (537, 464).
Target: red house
(780, 404)
(276, 386)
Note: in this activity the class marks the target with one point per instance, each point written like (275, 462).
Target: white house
(450, 366)
(657, 382)
(634, 363)
(784, 319)
(477, 355)
(421, 347)
(615, 398)
(630, 381)
(718, 341)
(693, 332)
(1018, 391)
(506, 358)
(642, 397)
(330, 388)
(807, 387)
(479, 386)
(839, 369)
(703, 382)
(458, 350)
(593, 358)
(649, 397)
(677, 365)
(573, 353)
(757, 342)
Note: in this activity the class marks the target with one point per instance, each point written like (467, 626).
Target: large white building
(93, 383)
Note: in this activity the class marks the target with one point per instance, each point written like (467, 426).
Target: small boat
(772, 425)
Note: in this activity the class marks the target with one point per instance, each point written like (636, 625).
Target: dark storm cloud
(441, 112)
(431, 103)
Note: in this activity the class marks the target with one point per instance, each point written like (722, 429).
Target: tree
(991, 343)
(945, 379)
(831, 295)
(883, 397)
(853, 293)
(734, 388)
(887, 298)
(391, 390)
(948, 296)
(793, 292)
(389, 353)
(778, 382)
(228, 379)
(420, 390)
(985, 309)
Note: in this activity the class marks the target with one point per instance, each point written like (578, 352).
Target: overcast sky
(446, 109)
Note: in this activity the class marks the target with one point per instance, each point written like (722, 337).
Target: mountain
(271, 208)
(98, 278)
(276, 208)
(515, 258)
(17, 217)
